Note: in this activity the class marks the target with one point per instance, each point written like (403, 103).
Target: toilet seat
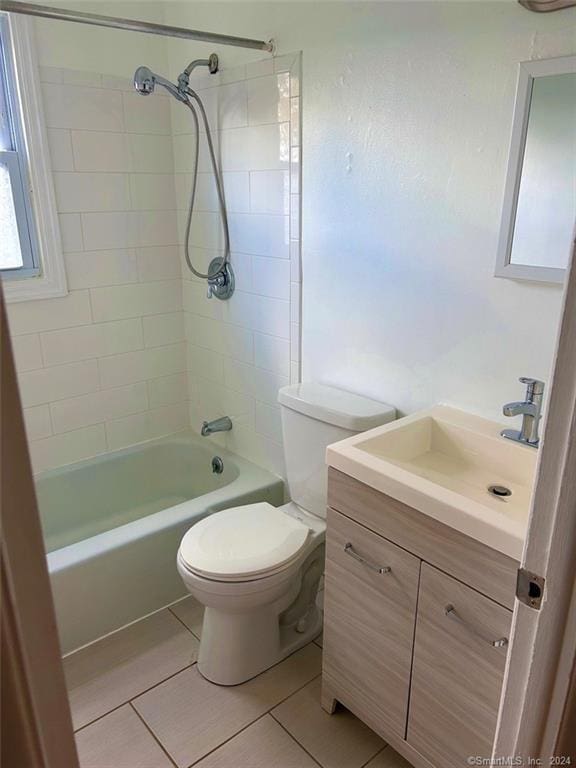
(243, 543)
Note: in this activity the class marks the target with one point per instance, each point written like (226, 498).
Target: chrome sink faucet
(224, 424)
(530, 409)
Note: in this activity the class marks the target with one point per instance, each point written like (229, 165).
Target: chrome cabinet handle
(349, 550)
(450, 611)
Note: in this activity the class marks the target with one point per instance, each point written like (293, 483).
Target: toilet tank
(313, 417)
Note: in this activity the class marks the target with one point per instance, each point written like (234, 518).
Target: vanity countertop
(443, 463)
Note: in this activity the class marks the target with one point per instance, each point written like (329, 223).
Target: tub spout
(224, 424)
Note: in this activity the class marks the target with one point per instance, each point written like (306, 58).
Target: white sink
(443, 462)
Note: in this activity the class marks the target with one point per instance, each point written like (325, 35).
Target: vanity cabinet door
(369, 618)
(459, 656)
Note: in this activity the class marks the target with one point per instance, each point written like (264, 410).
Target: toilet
(256, 568)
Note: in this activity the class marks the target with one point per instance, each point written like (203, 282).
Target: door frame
(539, 690)
(36, 721)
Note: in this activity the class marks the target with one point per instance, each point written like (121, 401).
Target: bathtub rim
(250, 478)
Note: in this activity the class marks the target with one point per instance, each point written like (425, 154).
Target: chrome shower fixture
(220, 276)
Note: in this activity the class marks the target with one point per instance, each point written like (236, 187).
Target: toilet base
(237, 647)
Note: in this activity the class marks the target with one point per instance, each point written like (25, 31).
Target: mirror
(539, 215)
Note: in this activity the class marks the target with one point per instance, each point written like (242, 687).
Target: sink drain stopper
(500, 491)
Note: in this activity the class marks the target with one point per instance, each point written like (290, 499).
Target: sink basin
(452, 466)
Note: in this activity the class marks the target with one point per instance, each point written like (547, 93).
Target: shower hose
(219, 189)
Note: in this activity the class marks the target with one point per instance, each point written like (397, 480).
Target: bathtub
(112, 526)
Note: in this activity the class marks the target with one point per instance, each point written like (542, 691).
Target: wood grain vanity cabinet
(416, 622)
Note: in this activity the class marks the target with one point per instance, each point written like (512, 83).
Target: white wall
(407, 111)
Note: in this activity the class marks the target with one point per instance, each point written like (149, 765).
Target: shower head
(145, 81)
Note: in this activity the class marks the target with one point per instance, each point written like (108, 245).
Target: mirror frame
(528, 71)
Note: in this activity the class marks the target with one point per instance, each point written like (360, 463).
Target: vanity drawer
(457, 673)
(369, 623)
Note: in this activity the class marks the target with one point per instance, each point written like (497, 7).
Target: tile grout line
(267, 712)
(294, 739)
(129, 701)
(183, 624)
(151, 732)
(386, 746)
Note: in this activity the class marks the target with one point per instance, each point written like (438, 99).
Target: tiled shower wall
(117, 361)
(105, 366)
(241, 351)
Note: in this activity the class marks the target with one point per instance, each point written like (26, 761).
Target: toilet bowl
(256, 568)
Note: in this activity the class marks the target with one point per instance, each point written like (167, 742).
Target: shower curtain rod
(61, 14)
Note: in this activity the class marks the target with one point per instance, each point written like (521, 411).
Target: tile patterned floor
(138, 701)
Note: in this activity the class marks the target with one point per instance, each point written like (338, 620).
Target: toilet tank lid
(334, 406)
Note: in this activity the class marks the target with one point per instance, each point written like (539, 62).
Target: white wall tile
(27, 352)
(122, 301)
(108, 230)
(48, 314)
(64, 449)
(145, 426)
(49, 384)
(236, 191)
(260, 68)
(268, 99)
(271, 277)
(156, 228)
(232, 74)
(163, 329)
(38, 423)
(91, 269)
(259, 313)
(71, 232)
(256, 148)
(98, 407)
(91, 341)
(50, 74)
(99, 151)
(205, 364)
(215, 400)
(295, 302)
(76, 192)
(262, 385)
(268, 421)
(70, 106)
(151, 153)
(270, 192)
(80, 77)
(272, 353)
(229, 340)
(168, 390)
(158, 262)
(260, 234)
(60, 147)
(196, 300)
(152, 191)
(131, 367)
(145, 115)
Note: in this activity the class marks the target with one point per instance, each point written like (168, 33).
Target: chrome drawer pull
(450, 611)
(349, 550)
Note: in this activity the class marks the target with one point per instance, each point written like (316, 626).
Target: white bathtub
(112, 526)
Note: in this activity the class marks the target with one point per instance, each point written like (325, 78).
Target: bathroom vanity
(418, 599)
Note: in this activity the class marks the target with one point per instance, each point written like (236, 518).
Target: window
(31, 263)
(19, 255)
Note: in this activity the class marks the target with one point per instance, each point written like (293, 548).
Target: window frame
(44, 274)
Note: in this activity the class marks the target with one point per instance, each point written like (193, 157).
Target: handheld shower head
(145, 81)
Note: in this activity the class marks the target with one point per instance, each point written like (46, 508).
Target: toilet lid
(243, 541)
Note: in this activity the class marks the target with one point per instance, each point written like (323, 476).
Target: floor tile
(108, 673)
(388, 758)
(335, 741)
(191, 717)
(191, 613)
(264, 744)
(120, 740)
